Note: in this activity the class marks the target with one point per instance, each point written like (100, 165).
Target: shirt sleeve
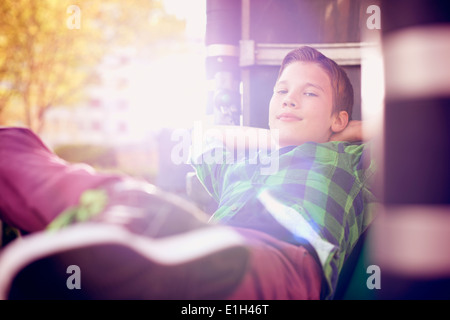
(210, 158)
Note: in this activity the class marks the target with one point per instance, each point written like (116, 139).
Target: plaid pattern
(320, 195)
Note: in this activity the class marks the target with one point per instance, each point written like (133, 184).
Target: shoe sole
(111, 263)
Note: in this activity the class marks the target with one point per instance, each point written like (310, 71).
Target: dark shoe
(145, 245)
(108, 262)
(150, 211)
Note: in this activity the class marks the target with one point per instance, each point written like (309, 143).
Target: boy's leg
(278, 270)
(37, 187)
(35, 184)
(142, 244)
(114, 264)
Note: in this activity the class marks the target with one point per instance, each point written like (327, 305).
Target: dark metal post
(223, 32)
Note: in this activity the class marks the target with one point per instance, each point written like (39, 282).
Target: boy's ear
(340, 121)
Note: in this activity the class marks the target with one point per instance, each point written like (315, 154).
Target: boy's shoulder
(353, 157)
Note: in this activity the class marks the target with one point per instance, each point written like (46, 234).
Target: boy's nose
(289, 103)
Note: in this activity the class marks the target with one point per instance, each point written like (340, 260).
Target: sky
(194, 11)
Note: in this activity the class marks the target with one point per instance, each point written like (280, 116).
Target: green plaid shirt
(320, 195)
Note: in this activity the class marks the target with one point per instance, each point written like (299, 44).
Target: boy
(279, 236)
(321, 190)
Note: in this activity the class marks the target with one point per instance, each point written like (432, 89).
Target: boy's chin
(298, 141)
(290, 142)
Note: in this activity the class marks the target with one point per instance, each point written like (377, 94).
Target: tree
(48, 52)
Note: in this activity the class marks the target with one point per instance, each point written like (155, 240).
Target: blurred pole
(412, 237)
(223, 32)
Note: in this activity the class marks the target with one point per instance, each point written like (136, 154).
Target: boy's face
(301, 105)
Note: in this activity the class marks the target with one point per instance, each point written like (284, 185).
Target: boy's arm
(213, 145)
(240, 137)
(356, 130)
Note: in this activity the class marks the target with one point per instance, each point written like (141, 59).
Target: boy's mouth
(288, 117)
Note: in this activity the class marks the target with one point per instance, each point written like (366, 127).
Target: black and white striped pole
(412, 236)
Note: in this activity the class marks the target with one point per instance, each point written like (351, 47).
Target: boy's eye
(281, 91)
(310, 94)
